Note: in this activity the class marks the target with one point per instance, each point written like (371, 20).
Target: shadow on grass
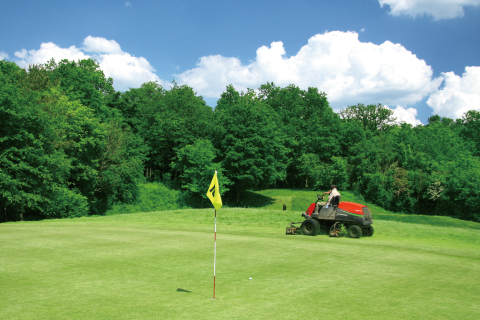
(188, 291)
(254, 200)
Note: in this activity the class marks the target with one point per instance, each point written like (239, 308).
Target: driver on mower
(320, 203)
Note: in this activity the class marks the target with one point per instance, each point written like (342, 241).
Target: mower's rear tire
(310, 227)
(369, 231)
(354, 231)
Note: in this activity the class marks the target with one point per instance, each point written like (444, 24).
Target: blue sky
(418, 57)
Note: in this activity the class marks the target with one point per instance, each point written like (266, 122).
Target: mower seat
(335, 201)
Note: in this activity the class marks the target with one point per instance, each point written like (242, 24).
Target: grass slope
(159, 265)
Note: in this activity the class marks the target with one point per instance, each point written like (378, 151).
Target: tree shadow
(254, 200)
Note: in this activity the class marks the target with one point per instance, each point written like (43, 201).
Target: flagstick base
(213, 288)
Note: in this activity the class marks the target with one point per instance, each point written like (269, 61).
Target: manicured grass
(159, 265)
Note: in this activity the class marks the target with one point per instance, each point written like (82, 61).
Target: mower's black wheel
(369, 231)
(354, 231)
(310, 227)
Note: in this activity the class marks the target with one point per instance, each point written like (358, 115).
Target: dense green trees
(82, 81)
(470, 130)
(310, 128)
(71, 145)
(63, 152)
(418, 170)
(167, 120)
(372, 117)
(250, 142)
(33, 167)
(196, 165)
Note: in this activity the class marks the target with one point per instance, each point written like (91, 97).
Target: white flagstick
(215, 254)
(213, 194)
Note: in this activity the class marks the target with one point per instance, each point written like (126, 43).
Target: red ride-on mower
(355, 217)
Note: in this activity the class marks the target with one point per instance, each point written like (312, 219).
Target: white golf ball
(250, 278)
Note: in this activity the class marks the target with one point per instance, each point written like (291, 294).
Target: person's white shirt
(333, 193)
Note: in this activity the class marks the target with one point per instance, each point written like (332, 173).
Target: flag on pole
(213, 193)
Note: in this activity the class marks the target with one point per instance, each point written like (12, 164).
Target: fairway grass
(159, 265)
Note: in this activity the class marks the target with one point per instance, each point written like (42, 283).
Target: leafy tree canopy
(249, 139)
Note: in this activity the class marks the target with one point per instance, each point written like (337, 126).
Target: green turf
(159, 265)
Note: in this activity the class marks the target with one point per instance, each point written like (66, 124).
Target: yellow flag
(213, 193)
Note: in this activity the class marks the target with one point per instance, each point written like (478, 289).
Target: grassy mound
(153, 196)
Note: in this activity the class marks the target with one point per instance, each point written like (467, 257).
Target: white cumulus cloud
(126, 70)
(46, 52)
(101, 45)
(406, 115)
(438, 9)
(3, 55)
(458, 94)
(348, 70)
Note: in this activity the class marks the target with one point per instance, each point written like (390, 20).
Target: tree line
(71, 145)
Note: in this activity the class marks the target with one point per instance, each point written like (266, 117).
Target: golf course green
(159, 265)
